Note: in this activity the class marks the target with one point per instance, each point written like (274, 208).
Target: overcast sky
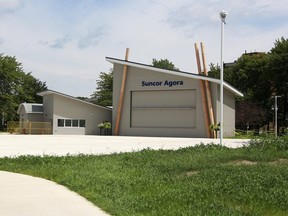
(65, 42)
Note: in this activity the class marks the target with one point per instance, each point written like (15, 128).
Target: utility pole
(223, 15)
(276, 109)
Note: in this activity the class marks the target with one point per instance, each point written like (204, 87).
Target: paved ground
(22, 195)
(15, 145)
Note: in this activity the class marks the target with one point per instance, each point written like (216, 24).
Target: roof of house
(173, 72)
(49, 92)
(31, 108)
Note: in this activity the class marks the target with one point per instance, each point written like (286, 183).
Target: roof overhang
(175, 73)
(49, 92)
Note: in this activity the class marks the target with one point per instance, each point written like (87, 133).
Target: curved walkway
(22, 195)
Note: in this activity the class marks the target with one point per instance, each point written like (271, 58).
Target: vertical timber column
(208, 90)
(122, 91)
(202, 85)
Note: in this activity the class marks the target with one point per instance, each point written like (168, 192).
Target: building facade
(159, 102)
(62, 114)
(70, 115)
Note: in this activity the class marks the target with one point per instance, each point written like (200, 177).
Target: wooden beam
(208, 90)
(121, 97)
(203, 95)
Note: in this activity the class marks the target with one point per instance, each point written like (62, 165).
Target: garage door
(163, 109)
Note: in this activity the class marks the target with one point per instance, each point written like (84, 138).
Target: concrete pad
(61, 145)
(22, 195)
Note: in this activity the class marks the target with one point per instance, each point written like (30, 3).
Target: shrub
(276, 143)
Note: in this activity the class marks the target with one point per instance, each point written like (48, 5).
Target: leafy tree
(250, 115)
(104, 90)
(16, 87)
(214, 71)
(164, 64)
(278, 68)
(250, 75)
(83, 98)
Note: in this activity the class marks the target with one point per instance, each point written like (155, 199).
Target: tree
(250, 115)
(164, 64)
(214, 71)
(16, 87)
(278, 68)
(250, 75)
(104, 90)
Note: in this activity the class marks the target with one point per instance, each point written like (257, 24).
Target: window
(68, 122)
(71, 123)
(75, 122)
(37, 108)
(60, 122)
(82, 123)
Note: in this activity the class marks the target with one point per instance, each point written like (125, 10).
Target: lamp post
(276, 109)
(223, 15)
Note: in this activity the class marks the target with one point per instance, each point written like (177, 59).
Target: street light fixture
(223, 15)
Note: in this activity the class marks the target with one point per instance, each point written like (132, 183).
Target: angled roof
(49, 92)
(172, 72)
(31, 108)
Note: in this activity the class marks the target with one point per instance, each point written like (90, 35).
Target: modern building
(159, 102)
(66, 114)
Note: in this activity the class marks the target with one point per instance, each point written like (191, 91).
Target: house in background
(65, 114)
(70, 115)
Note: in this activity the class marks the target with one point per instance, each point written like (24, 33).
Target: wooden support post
(208, 90)
(202, 85)
(122, 91)
(30, 128)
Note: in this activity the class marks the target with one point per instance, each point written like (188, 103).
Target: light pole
(276, 109)
(223, 15)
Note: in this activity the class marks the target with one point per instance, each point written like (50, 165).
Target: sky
(64, 42)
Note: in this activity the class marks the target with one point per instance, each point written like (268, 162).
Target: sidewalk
(22, 195)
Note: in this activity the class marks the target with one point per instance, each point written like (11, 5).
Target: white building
(159, 102)
(67, 114)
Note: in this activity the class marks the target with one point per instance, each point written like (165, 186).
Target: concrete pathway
(22, 195)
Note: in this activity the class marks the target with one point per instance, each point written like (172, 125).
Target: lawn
(202, 180)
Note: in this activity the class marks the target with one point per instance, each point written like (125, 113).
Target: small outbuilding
(62, 114)
(31, 112)
(31, 119)
(70, 115)
(159, 102)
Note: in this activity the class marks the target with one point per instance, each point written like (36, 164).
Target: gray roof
(176, 73)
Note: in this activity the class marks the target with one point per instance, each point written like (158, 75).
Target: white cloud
(65, 42)
(92, 38)
(10, 5)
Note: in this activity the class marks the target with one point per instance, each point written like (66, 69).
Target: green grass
(202, 180)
